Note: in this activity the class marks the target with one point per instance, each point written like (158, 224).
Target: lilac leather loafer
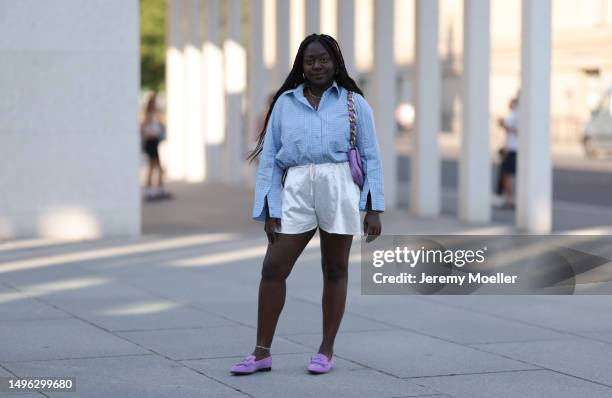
(249, 365)
(320, 364)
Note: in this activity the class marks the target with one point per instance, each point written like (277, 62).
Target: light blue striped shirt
(297, 134)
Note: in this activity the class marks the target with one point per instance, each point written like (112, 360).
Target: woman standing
(304, 182)
(152, 132)
(508, 165)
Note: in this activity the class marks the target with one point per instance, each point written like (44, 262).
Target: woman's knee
(335, 272)
(274, 271)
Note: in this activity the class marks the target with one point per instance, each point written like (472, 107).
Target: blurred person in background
(508, 165)
(152, 132)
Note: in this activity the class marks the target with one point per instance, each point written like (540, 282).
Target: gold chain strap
(352, 117)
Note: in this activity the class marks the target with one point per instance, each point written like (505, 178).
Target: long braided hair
(296, 77)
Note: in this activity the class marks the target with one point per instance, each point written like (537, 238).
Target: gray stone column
(174, 160)
(534, 173)
(282, 66)
(235, 87)
(214, 90)
(425, 158)
(475, 160)
(383, 98)
(346, 34)
(313, 16)
(194, 154)
(69, 134)
(257, 83)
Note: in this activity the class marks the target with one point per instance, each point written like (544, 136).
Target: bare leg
(508, 181)
(335, 249)
(160, 173)
(150, 172)
(277, 265)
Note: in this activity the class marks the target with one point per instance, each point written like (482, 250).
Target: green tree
(152, 44)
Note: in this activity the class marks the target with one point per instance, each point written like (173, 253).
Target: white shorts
(320, 195)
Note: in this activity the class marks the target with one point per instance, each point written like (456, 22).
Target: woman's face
(319, 66)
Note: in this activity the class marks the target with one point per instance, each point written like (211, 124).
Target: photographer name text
(424, 278)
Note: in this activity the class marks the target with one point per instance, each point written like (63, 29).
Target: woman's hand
(371, 225)
(270, 228)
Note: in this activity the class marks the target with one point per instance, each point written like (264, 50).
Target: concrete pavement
(166, 315)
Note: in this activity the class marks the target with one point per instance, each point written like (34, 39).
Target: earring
(303, 76)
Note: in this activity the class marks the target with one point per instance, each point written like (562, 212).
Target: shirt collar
(299, 90)
(335, 86)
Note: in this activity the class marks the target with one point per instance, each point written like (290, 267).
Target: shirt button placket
(316, 138)
(320, 125)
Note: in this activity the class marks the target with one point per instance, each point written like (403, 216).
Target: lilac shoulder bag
(353, 155)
